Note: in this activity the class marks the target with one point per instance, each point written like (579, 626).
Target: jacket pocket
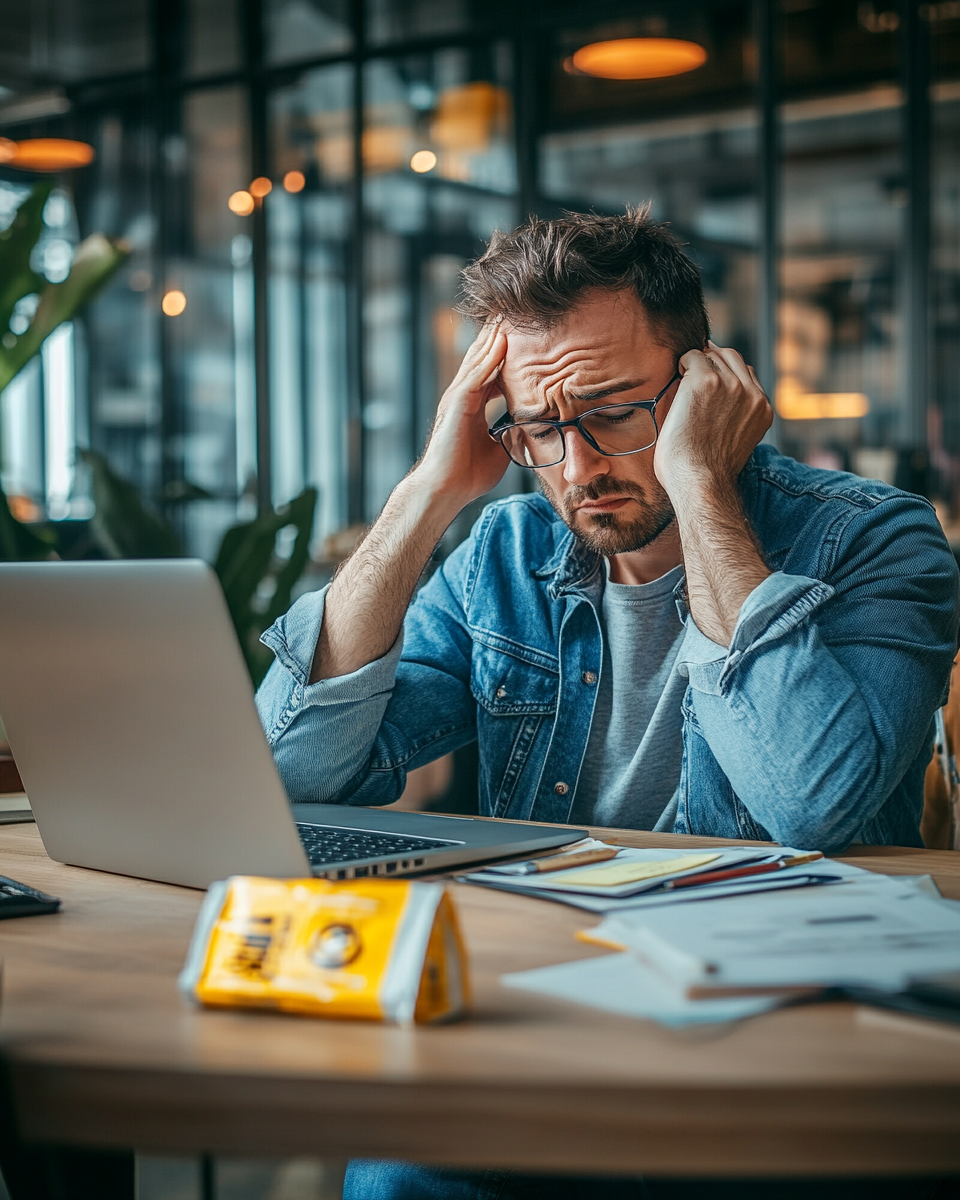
(507, 686)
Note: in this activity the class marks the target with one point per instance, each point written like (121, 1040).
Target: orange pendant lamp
(639, 58)
(45, 155)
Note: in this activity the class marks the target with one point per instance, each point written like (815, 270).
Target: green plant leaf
(123, 526)
(17, 241)
(96, 259)
(247, 561)
(23, 543)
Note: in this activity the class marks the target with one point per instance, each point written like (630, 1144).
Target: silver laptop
(130, 714)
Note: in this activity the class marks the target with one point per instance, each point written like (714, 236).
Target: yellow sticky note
(620, 873)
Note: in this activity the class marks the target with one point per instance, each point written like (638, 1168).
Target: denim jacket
(812, 728)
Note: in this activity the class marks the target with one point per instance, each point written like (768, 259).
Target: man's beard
(610, 533)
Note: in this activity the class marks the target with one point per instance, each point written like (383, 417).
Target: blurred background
(300, 181)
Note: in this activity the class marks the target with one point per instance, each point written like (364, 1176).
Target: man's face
(603, 352)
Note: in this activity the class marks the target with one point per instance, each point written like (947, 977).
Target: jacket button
(589, 677)
(561, 788)
(501, 692)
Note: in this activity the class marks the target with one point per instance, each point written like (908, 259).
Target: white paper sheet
(620, 983)
(873, 931)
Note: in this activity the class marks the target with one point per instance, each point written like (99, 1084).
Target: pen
(740, 872)
(558, 862)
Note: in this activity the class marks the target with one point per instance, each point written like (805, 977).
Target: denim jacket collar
(573, 566)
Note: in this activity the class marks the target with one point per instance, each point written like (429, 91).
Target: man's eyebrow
(613, 390)
(536, 412)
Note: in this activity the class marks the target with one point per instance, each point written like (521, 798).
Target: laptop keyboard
(331, 844)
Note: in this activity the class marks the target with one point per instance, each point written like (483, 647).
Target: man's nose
(582, 463)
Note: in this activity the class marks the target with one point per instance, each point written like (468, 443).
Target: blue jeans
(375, 1179)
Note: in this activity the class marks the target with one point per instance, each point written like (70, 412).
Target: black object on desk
(19, 900)
(935, 996)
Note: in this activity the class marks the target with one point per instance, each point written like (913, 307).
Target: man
(684, 631)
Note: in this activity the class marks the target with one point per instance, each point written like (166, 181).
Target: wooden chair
(940, 823)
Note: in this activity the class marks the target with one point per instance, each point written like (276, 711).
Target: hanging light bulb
(639, 58)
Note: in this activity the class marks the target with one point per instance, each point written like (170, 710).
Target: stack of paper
(647, 878)
(685, 963)
(873, 931)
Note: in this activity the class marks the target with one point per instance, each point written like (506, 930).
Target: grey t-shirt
(632, 764)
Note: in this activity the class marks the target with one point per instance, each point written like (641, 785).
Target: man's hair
(537, 274)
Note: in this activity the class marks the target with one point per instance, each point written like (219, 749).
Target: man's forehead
(597, 352)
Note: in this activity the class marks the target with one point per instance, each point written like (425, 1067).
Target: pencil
(741, 872)
(558, 862)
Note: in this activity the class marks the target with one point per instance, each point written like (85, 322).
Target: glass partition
(440, 177)
(309, 218)
(213, 36)
(840, 371)
(209, 419)
(298, 29)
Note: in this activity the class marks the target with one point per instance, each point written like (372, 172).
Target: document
(870, 931)
(623, 984)
(631, 873)
(649, 891)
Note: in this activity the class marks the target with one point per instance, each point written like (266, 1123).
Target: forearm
(369, 597)
(351, 739)
(810, 753)
(721, 558)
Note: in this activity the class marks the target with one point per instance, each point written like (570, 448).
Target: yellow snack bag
(380, 949)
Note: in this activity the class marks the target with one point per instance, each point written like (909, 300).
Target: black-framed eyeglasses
(612, 430)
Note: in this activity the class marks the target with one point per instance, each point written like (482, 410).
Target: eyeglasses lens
(616, 430)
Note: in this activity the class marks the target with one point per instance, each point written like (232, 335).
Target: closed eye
(615, 416)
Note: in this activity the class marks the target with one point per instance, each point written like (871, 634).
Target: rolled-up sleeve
(824, 698)
(353, 739)
(352, 705)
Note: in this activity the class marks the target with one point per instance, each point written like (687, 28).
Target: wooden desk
(102, 1051)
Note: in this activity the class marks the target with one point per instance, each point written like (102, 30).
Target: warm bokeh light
(639, 58)
(467, 115)
(8, 150)
(173, 303)
(423, 161)
(47, 154)
(794, 404)
(294, 181)
(241, 203)
(260, 187)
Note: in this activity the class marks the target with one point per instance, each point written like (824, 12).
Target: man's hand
(461, 461)
(717, 418)
(368, 599)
